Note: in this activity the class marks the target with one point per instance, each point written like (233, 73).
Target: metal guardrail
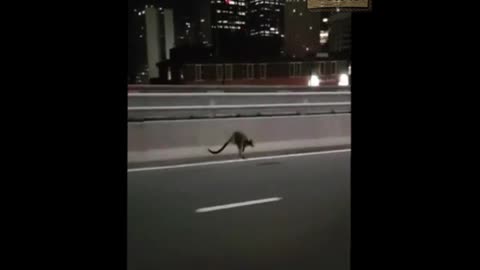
(151, 106)
(213, 111)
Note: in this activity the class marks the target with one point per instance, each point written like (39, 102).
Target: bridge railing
(152, 106)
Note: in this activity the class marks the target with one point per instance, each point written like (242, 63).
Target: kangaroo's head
(250, 143)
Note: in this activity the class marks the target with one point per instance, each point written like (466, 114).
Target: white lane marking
(178, 166)
(233, 205)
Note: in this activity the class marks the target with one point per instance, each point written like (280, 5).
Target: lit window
(301, 13)
(272, 29)
(139, 13)
(325, 20)
(323, 37)
(202, 20)
(294, 10)
(219, 11)
(282, 35)
(311, 28)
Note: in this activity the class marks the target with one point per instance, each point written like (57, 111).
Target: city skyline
(249, 29)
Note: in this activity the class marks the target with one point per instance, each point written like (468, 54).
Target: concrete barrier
(198, 99)
(184, 139)
(152, 88)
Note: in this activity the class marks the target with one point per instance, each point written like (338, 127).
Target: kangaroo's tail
(221, 149)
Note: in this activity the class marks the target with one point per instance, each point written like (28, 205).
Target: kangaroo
(239, 139)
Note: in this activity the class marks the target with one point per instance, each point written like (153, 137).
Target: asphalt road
(304, 224)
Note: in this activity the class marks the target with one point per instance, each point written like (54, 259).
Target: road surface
(287, 213)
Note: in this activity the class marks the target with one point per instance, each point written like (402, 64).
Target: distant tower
(159, 37)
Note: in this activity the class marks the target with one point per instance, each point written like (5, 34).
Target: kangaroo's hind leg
(241, 152)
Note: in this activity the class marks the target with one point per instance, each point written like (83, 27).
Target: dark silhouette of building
(193, 24)
(229, 27)
(266, 27)
(265, 18)
(306, 32)
(340, 40)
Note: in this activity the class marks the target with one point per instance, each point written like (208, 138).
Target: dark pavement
(308, 229)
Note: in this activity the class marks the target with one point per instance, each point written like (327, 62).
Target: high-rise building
(265, 28)
(265, 18)
(229, 25)
(159, 37)
(228, 16)
(139, 66)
